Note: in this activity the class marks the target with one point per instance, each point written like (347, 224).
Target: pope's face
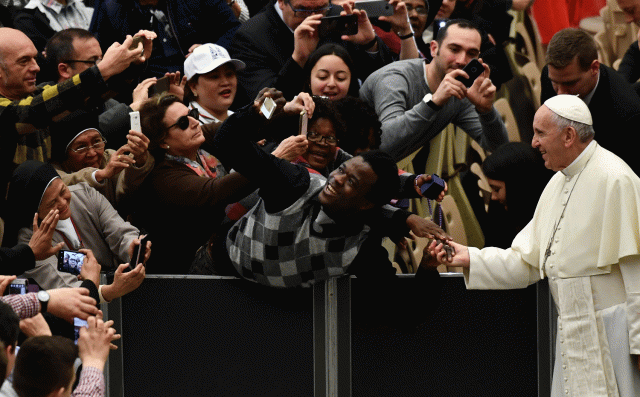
(549, 140)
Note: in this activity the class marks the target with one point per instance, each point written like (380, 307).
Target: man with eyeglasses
(276, 43)
(25, 109)
(72, 51)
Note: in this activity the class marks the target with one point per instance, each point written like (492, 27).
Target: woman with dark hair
(329, 71)
(184, 198)
(517, 177)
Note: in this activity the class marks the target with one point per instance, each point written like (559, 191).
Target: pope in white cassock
(585, 237)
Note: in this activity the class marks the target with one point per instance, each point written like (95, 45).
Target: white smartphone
(267, 108)
(135, 121)
(304, 122)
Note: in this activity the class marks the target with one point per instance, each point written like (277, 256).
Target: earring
(166, 147)
(195, 94)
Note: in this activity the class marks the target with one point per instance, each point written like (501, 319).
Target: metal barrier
(206, 336)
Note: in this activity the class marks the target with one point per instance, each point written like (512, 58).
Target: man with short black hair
(415, 100)
(573, 68)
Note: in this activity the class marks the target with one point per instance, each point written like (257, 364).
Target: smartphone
(268, 107)
(134, 118)
(375, 8)
(70, 261)
(338, 25)
(136, 40)
(77, 324)
(138, 252)
(19, 286)
(161, 85)
(303, 124)
(473, 69)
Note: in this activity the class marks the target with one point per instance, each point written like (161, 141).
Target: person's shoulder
(260, 22)
(405, 68)
(607, 164)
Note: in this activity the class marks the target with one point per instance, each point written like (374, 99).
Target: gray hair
(585, 131)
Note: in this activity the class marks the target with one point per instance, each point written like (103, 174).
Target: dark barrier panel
(478, 343)
(212, 337)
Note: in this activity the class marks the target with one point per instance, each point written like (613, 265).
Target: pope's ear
(570, 136)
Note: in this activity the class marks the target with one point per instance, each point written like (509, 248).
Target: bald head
(18, 66)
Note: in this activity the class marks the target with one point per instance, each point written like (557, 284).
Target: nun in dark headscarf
(517, 177)
(86, 221)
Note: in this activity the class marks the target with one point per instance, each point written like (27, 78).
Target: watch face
(43, 296)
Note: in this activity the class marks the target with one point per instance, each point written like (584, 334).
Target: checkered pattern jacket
(296, 246)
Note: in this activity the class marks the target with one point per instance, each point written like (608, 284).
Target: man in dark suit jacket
(276, 43)
(573, 68)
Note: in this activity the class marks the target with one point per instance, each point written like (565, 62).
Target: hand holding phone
(161, 85)
(338, 26)
(474, 69)
(139, 251)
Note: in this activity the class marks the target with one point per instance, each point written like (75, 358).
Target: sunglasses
(183, 121)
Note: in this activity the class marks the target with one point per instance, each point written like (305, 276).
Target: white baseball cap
(206, 58)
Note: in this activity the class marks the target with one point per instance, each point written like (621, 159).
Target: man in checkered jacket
(306, 228)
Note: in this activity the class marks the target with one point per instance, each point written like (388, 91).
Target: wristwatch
(428, 100)
(43, 297)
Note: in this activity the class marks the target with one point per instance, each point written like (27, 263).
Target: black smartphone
(70, 261)
(138, 252)
(19, 286)
(338, 26)
(161, 85)
(474, 69)
(375, 8)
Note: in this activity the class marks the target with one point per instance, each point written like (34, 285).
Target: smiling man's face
(347, 187)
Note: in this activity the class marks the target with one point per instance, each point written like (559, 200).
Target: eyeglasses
(88, 62)
(420, 10)
(302, 13)
(183, 121)
(99, 144)
(328, 139)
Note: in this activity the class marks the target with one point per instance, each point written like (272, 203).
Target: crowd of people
(267, 151)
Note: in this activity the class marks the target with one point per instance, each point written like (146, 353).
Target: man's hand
(67, 303)
(365, 29)
(94, 342)
(176, 84)
(90, 268)
(302, 101)
(40, 242)
(400, 19)
(141, 93)
(482, 93)
(272, 93)
(138, 144)
(449, 87)
(426, 178)
(425, 228)
(118, 57)
(460, 256)
(123, 283)
(147, 44)
(291, 148)
(305, 39)
(4, 282)
(117, 162)
(35, 326)
(191, 49)
(147, 251)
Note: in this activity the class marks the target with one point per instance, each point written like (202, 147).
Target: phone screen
(77, 324)
(70, 261)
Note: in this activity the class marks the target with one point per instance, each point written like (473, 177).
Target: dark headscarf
(67, 129)
(28, 183)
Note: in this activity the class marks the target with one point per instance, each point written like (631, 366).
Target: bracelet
(406, 36)
(370, 44)
(415, 181)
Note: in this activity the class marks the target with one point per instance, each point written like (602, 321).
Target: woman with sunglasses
(78, 154)
(183, 200)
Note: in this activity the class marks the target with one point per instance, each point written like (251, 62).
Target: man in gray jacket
(416, 101)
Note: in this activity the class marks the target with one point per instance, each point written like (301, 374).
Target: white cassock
(593, 269)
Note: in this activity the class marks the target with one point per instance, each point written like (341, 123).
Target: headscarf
(67, 129)
(28, 184)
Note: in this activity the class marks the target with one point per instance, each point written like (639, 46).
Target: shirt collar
(588, 97)
(56, 6)
(279, 12)
(579, 163)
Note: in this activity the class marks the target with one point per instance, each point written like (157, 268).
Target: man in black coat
(573, 68)
(276, 43)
